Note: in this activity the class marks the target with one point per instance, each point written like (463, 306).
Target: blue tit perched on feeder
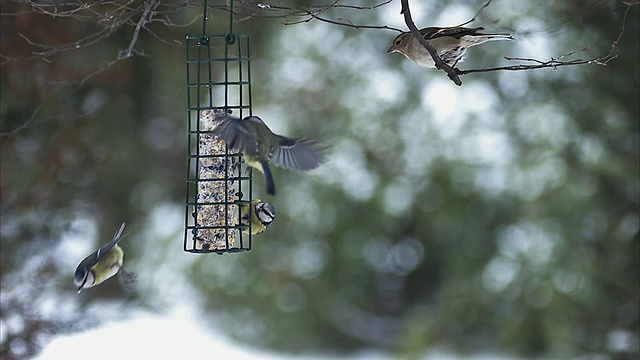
(451, 43)
(103, 264)
(260, 146)
(262, 215)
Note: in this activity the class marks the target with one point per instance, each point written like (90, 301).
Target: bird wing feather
(105, 249)
(237, 135)
(456, 32)
(93, 259)
(298, 154)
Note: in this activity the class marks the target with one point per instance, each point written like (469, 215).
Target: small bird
(262, 215)
(260, 146)
(451, 44)
(103, 264)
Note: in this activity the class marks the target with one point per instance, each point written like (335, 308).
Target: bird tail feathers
(478, 39)
(490, 37)
(268, 177)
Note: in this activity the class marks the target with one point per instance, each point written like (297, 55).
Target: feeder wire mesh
(218, 82)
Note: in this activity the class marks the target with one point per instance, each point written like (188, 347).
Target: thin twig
(146, 15)
(31, 121)
(334, 22)
(122, 55)
(477, 14)
(314, 15)
(555, 63)
(540, 65)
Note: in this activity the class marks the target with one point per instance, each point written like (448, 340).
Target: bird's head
(83, 278)
(400, 43)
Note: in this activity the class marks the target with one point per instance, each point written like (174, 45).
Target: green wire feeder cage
(218, 183)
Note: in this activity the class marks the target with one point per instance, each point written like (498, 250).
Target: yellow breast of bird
(109, 264)
(253, 162)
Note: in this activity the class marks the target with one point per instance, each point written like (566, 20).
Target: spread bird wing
(237, 135)
(298, 154)
(456, 32)
(93, 259)
(105, 249)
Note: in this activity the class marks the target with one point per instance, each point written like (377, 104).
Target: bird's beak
(391, 50)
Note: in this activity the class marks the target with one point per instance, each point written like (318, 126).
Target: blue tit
(451, 43)
(262, 215)
(260, 146)
(103, 264)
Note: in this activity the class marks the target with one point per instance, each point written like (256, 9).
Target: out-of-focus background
(499, 218)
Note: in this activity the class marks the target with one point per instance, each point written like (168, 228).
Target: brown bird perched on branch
(451, 44)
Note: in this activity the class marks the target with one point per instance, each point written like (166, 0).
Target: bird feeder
(218, 182)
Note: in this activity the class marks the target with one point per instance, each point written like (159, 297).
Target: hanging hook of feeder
(231, 38)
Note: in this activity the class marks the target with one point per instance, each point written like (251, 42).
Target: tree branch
(555, 63)
(334, 22)
(313, 14)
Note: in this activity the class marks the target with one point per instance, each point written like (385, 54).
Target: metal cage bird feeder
(218, 183)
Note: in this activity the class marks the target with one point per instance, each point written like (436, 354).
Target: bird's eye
(398, 42)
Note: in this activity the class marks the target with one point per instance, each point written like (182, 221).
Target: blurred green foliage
(499, 216)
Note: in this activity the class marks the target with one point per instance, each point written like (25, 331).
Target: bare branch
(314, 15)
(51, 50)
(31, 121)
(555, 63)
(122, 55)
(540, 65)
(334, 22)
(114, 15)
(146, 15)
